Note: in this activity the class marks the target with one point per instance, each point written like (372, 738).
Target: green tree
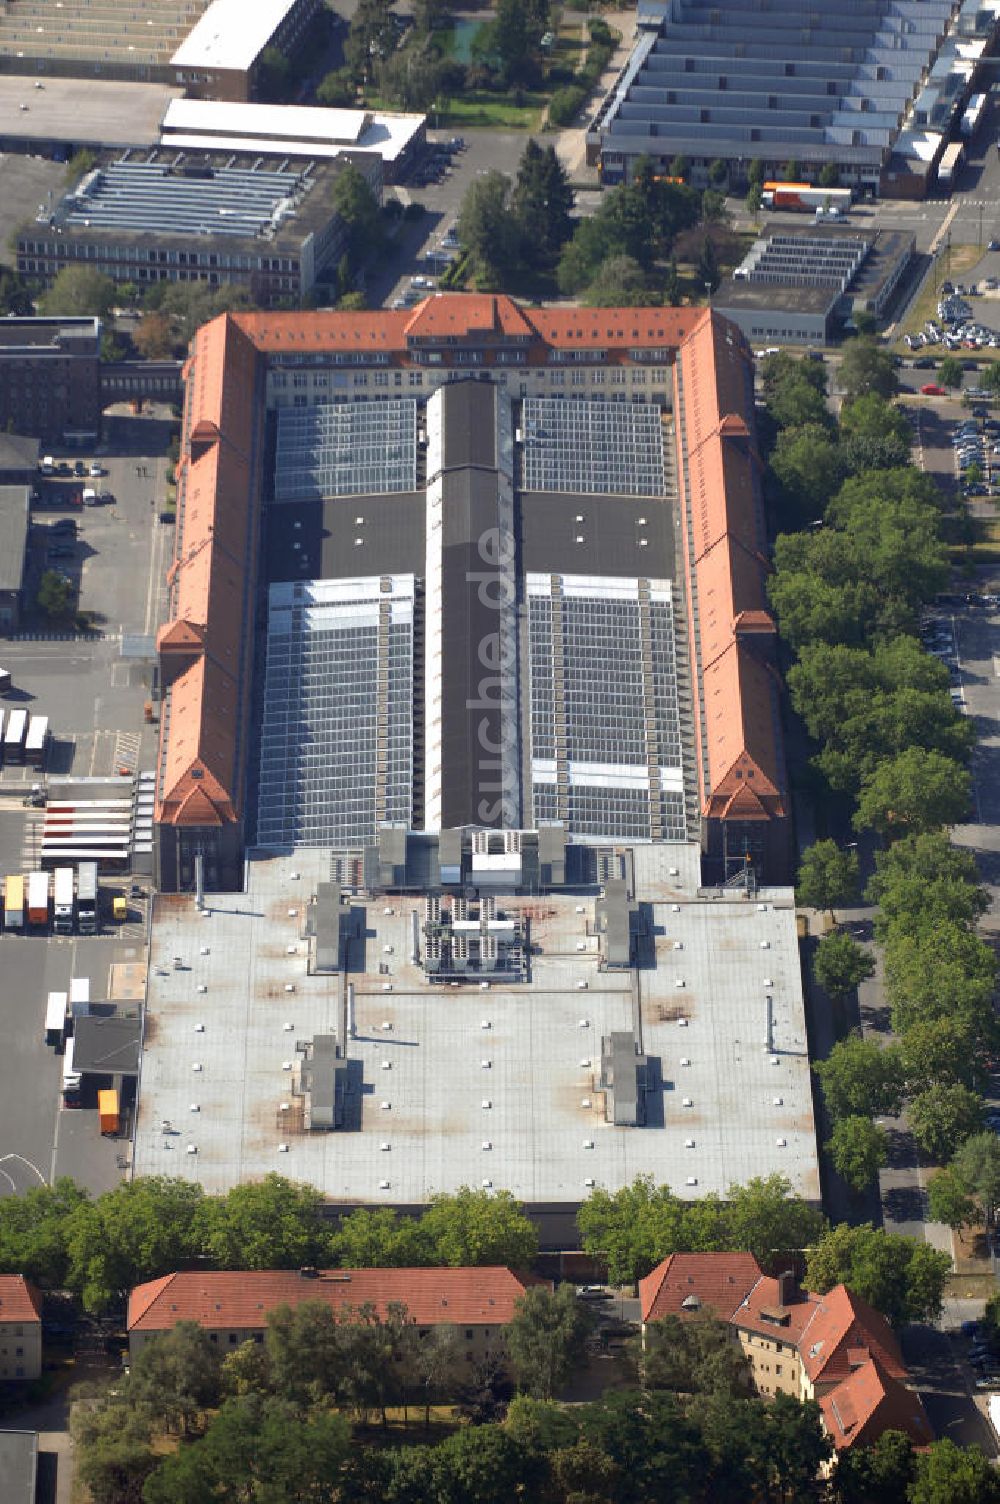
(679, 167)
(512, 39)
(941, 971)
(357, 206)
(949, 1201)
(900, 1277)
(153, 337)
(947, 1050)
(266, 1224)
(379, 1238)
(947, 1474)
(718, 173)
(989, 377)
(305, 1353)
(481, 1463)
(754, 199)
(33, 1231)
(949, 371)
(370, 39)
(175, 1376)
(914, 791)
(255, 1449)
(866, 367)
(337, 89)
(412, 79)
(791, 171)
(640, 1223)
(541, 202)
(713, 207)
(755, 172)
(707, 265)
(840, 965)
(943, 1116)
(435, 1362)
(622, 283)
(858, 1149)
(829, 176)
(487, 230)
(828, 877)
(861, 1078)
(79, 291)
(138, 1231)
(809, 464)
(694, 1355)
(882, 1471)
(547, 1338)
(875, 434)
(480, 1227)
(928, 875)
(14, 294)
(976, 1166)
(54, 595)
(764, 1217)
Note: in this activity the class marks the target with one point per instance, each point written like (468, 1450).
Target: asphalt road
(94, 698)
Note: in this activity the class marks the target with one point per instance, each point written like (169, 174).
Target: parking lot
(94, 695)
(440, 196)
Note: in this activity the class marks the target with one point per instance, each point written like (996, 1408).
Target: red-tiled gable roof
(741, 721)
(461, 1297)
(766, 1296)
(203, 644)
(19, 1300)
(685, 1282)
(457, 314)
(870, 1402)
(842, 1321)
(614, 328)
(726, 567)
(199, 775)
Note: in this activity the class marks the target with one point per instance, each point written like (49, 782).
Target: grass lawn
(483, 108)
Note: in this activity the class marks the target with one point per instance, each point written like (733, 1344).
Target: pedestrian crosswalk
(126, 751)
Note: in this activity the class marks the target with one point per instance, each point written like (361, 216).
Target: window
(469, 1334)
(233, 1339)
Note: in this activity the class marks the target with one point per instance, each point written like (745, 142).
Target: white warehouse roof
(294, 130)
(231, 34)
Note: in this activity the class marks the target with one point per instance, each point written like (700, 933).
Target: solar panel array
(592, 448)
(148, 196)
(337, 737)
(610, 661)
(346, 449)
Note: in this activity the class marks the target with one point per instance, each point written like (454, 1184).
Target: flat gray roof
(19, 1466)
(465, 1085)
(93, 113)
(14, 519)
(19, 452)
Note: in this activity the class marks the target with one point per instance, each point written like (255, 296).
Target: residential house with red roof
(477, 1304)
(834, 1348)
(20, 1328)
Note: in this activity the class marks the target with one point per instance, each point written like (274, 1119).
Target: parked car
(932, 390)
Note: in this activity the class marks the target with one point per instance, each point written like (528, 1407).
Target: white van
(89, 496)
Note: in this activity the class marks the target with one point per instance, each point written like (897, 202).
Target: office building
(166, 217)
(50, 377)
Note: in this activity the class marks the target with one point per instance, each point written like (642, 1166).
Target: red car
(932, 391)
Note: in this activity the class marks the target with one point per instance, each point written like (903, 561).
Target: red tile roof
(461, 314)
(203, 647)
(741, 773)
(684, 1282)
(833, 1332)
(459, 1297)
(19, 1300)
(842, 1321)
(869, 1402)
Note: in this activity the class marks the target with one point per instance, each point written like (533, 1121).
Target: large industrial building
(542, 530)
(238, 220)
(212, 48)
(872, 88)
(468, 689)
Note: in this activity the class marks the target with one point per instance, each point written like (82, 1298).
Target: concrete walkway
(571, 147)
